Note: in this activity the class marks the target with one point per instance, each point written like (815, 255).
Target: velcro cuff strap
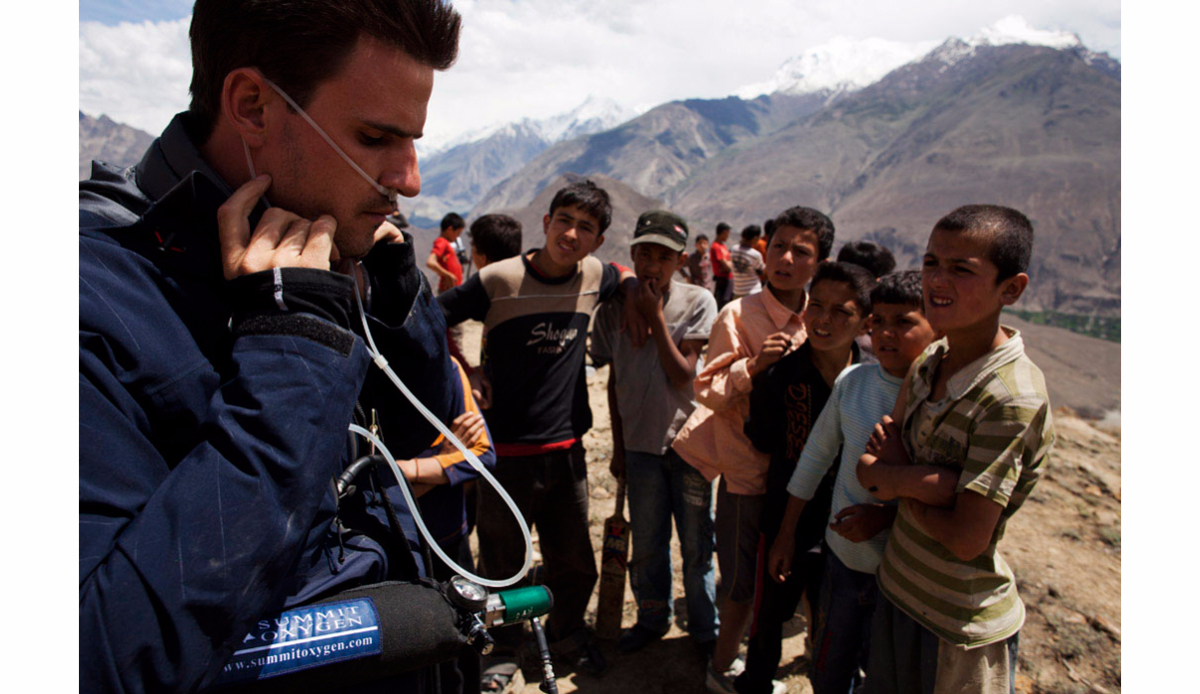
(298, 325)
(291, 291)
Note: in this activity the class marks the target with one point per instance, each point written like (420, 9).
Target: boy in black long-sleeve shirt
(784, 404)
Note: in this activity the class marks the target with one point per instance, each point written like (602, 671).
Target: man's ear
(244, 96)
(546, 224)
(1013, 288)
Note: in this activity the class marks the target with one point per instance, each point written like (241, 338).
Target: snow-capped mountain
(457, 174)
(845, 64)
(595, 114)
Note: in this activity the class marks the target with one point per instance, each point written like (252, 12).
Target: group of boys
(877, 490)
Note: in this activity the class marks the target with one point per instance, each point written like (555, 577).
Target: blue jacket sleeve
(179, 557)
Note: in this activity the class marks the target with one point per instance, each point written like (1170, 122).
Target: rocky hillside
(106, 140)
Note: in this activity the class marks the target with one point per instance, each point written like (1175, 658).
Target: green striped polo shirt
(994, 426)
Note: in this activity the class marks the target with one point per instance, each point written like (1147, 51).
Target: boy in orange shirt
(750, 335)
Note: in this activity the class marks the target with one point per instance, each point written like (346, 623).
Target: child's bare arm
(929, 484)
(433, 264)
(966, 528)
(779, 557)
(617, 465)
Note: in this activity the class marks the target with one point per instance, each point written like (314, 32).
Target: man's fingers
(233, 222)
(295, 237)
(319, 249)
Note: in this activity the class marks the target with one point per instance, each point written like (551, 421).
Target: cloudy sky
(537, 58)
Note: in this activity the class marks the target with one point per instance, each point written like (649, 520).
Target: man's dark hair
(751, 232)
(808, 219)
(858, 278)
(452, 221)
(769, 227)
(1008, 232)
(902, 288)
(298, 44)
(496, 236)
(586, 196)
(877, 259)
(701, 237)
(722, 226)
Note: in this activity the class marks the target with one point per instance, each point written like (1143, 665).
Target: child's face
(655, 263)
(899, 333)
(959, 282)
(833, 318)
(791, 258)
(571, 233)
(702, 245)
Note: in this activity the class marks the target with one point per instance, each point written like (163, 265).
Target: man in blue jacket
(222, 359)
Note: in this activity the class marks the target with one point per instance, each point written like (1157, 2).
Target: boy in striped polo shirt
(974, 420)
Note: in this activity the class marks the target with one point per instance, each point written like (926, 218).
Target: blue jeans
(843, 637)
(661, 487)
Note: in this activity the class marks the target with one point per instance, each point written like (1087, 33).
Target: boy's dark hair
(496, 236)
(452, 221)
(702, 237)
(902, 288)
(722, 226)
(300, 43)
(1008, 232)
(858, 278)
(587, 196)
(751, 232)
(810, 220)
(769, 227)
(878, 260)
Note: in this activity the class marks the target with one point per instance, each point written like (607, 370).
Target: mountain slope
(659, 149)
(103, 139)
(1030, 127)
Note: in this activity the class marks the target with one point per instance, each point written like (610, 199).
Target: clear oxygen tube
(382, 363)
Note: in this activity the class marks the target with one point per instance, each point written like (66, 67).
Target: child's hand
(872, 475)
(633, 322)
(617, 465)
(779, 560)
(862, 522)
(773, 349)
(467, 427)
(648, 300)
(885, 443)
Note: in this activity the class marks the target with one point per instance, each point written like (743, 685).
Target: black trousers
(551, 491)
(775, 603)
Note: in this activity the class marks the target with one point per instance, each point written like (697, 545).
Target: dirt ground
(1064, 546)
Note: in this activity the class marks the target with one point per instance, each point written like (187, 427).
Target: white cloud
(136, 74)
(538, 58)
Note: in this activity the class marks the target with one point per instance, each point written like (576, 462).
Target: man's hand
(779, 560)
(466, 427)
(388, 233)
(885, 443)
(481, 389)
(617, 465)
(773, 349)
(281, 239)
(862, 522)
